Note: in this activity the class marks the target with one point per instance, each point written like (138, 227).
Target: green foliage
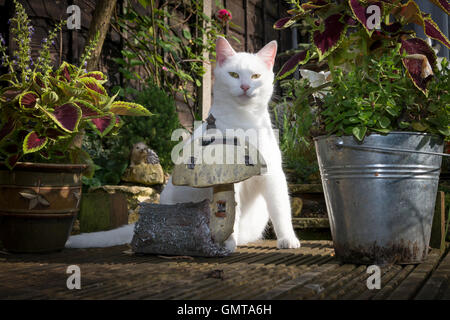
(42, 112)
(384, 77)
(377, 98)
(111, 157)
(155, 131)
(112, 154)
(347, 32)
(169, 45)
(299, 160)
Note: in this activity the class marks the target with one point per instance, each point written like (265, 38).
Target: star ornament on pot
(34, 198)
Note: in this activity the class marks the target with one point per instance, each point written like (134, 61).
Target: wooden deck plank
(438, 283)
(409, 287)
(256, 271)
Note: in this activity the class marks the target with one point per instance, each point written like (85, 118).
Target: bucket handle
(340, 144)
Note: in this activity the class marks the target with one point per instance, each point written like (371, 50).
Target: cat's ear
(268, 53)
(223, 50)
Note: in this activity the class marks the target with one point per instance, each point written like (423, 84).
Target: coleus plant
(346, 32)
(43, 111)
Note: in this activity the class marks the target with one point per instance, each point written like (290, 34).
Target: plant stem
(155, 46)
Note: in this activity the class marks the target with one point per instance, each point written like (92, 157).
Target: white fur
(258, 198)
(119, 236)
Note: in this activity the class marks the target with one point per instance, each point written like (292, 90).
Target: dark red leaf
(393, 28)
(410, 12)
(28, 100)
(282, 23)
(104, 124)
(292, 63)
(53, 133)
(432, 30)
(66, 74)
(328, 40)
(360, 12)
(95, 87)
(87, 110)
(39, 82)
(420, 46)
(418, 69)
(7, 128)
(33, 142)
(10, 94)
(443, 4)
(94, 74)
(350, 21)
(312, 5)
(12, 160)
(68, 115)
(44, 154)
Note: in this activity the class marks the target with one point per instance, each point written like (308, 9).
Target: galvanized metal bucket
(380, 202)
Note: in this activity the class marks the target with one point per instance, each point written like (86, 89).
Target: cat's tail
(115, 237)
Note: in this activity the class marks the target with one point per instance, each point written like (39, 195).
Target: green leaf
(365, 115)
(7, 77)
(350, 113)
(404, 124)
(384, 122)
(348, 130)
(393, 112)
(119, 61)
(445, 132)
(359, 132)
(123, 108)
(419, 126)
(187, 34)
(382, 130)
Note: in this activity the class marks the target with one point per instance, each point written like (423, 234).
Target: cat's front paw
(231, 243)
(288, 243)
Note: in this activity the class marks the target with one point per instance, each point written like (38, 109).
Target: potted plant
(43, 114)
(379, 123)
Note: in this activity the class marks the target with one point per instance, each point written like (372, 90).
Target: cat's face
(245, 77)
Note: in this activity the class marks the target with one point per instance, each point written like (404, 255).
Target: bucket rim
(412, 133)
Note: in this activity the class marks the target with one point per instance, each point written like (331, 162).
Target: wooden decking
(257, 271)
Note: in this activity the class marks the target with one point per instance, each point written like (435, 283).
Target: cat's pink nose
(245, 87)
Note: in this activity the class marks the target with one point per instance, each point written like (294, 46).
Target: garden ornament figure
(200, 229)
(141, 153)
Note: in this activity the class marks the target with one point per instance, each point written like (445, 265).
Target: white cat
(243, 86)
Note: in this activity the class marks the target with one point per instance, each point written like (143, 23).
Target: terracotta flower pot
(38, 205)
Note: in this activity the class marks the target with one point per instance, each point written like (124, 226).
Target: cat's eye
(234, 75)
(256, 76)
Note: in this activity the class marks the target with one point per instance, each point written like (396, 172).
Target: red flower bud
(224, 15)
